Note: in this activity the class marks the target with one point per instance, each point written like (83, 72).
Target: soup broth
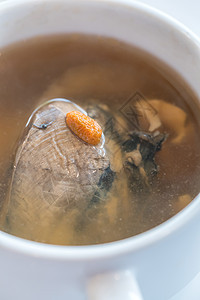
(138, 101)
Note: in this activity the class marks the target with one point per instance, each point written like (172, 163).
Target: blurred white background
(186, 11)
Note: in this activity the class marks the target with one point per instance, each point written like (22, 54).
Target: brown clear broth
(101, 70)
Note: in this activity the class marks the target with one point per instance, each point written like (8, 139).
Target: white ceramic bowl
(153, 265)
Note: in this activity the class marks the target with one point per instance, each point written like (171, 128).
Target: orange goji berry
(84, 127)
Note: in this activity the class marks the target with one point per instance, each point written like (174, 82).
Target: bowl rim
(131, 244)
